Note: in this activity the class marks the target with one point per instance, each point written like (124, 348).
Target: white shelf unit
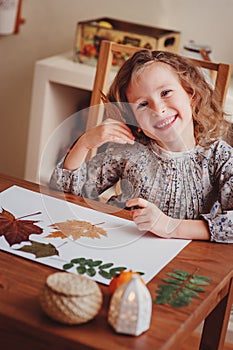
(60, 87)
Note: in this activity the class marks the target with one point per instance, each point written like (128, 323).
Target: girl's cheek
(142, 122)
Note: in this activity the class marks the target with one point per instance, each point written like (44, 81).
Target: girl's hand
(109, 131)
(148, 217)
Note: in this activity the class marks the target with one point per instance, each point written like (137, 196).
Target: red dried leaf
(17, 230)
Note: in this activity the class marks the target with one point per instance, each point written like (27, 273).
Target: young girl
(178, 179)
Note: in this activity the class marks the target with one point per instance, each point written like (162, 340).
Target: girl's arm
(192, 229)
(148, 217)
(71, 174)
(109, 131)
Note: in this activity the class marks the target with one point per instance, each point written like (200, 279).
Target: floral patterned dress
(196, 184)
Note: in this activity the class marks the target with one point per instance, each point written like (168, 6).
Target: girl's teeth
(169, 121)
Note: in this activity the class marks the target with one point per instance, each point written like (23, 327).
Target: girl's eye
(142, 105)
(165, 93)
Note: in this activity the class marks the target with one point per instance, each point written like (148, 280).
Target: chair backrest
(103, 70)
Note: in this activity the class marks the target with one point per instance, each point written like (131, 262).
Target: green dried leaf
(96, 263)
(91, 272)
(165, 292)
(89, 262)
(106, 266)
(169, 280)
(177, 275)
(40, 250)
(140, 273)
(67, 266)
(199, 281)
(195, 287)
(180, 300)
(190, 292)
(166, 289)
(81, 269)
(105, 274)
(182, 273)
(203, 278)
(78, 261)
(161, 299)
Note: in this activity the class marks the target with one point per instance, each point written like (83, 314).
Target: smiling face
(161, 106)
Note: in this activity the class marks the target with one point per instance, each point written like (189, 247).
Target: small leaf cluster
(180, 288)
(92, 267)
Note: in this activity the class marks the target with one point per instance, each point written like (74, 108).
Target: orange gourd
(119, 279)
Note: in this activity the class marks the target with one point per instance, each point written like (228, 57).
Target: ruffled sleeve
(220, 225)
(68, 181)
(91, 178)
(220, 218)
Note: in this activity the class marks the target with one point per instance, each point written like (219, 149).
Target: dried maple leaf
(17, 230)
(40, 250)
(77, 229)
(56, 234)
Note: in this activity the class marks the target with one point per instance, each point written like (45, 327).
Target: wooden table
(23, 325)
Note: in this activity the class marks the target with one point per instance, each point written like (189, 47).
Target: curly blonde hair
(208, 116)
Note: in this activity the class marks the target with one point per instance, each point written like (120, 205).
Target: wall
(50, 29)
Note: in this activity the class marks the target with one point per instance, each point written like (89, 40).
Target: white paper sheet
(124, 245)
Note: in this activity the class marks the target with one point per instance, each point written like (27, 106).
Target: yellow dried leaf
(56, 234)
(77, 229)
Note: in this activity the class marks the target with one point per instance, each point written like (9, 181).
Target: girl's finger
(137, 202)
(122, 129)
(138, 213)
(118, 132)
(117, 123)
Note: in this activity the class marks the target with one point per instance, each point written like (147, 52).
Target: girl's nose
(158, 108)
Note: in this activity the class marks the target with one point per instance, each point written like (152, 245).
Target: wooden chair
(103, 73)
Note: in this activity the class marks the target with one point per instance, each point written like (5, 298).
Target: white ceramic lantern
(131, 307)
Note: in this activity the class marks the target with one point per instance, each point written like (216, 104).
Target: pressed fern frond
(180, 288)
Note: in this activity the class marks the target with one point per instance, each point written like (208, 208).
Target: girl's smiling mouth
(165, 122)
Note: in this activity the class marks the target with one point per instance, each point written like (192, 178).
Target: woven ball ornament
(71, 299)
